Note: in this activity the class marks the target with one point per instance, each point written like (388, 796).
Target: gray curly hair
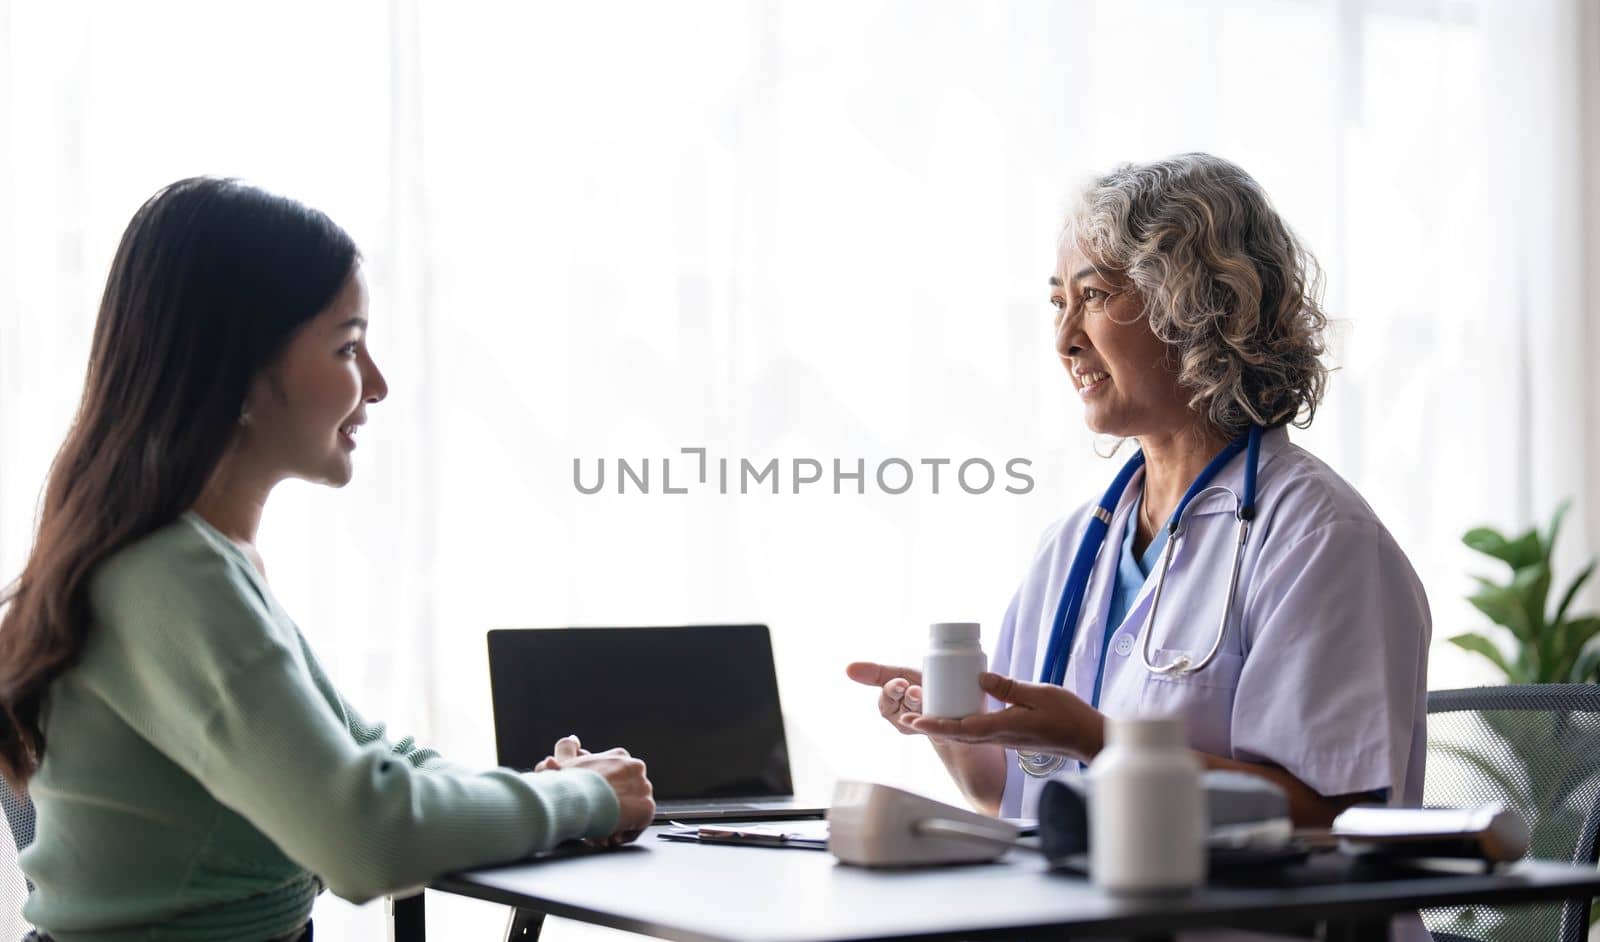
(1226, 284)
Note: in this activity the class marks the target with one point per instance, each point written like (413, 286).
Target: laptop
(699, 704)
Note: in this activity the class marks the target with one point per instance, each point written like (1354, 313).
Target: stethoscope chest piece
(1039, 764)
(1178, 668)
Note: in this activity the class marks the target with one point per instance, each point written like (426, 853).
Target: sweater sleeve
(192, 659)
(407, 749)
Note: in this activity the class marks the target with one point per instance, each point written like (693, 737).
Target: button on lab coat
(1323, 664)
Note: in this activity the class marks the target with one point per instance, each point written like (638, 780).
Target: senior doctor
(1187, 319)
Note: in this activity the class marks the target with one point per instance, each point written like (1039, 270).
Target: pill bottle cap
(953, 632)
(1162, 731)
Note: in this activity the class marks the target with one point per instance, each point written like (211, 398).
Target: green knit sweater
(203, 779)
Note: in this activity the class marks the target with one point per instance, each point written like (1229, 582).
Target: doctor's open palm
(1039, 717)
(900, 689)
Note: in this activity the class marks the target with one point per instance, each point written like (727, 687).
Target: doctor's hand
(979, 769)
(1037, 718)
(900, 693)
(626, 776)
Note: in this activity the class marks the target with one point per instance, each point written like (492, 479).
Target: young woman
(194, 771)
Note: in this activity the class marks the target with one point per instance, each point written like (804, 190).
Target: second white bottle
(1147, 813)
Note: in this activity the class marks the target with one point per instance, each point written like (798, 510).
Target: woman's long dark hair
(210, 280)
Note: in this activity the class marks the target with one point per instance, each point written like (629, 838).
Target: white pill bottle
(1147, 814)
(950, 670)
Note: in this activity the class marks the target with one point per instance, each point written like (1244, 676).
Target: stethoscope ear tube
(1244, 511)
(1181, 665)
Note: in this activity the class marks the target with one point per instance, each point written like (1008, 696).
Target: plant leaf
(1583, 664)
(1488, 541)
(1523, 664)
(1584, 629)
(1503, 606)
(1484, 583)
(1572, 590)
(1524, 549)
(1555, 527)
(1478, 644)
(1586, 669)
(1531, 587)
(1574, 636)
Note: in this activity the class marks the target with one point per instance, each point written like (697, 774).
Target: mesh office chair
(14, 888)
(1536, 749)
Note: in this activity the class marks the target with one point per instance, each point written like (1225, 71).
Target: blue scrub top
(1129, 578)
(1132, 571)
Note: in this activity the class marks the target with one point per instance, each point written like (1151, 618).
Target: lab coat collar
(1274, 442)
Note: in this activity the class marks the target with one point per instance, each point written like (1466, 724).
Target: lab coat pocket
(1223, 671)
(1204, 699)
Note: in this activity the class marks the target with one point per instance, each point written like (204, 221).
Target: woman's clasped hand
(624, 773)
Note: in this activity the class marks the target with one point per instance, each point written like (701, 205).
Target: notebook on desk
(699, 704)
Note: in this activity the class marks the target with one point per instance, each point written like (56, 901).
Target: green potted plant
(1546, 646)
(1549, 768)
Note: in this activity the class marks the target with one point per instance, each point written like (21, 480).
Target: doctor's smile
(1090, 381)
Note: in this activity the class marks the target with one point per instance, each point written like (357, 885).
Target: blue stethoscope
(1072, 594)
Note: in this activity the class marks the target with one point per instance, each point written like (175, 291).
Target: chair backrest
(1536, 749)
(14, 887)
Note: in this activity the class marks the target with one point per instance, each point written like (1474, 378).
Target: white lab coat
(1323, 666)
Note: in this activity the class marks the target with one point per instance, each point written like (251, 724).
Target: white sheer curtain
(800, 230)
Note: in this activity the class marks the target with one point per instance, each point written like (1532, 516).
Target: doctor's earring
(244, 417)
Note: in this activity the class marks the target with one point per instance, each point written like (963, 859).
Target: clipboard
(796, 835)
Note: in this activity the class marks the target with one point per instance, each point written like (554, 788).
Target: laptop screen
(698, 704)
